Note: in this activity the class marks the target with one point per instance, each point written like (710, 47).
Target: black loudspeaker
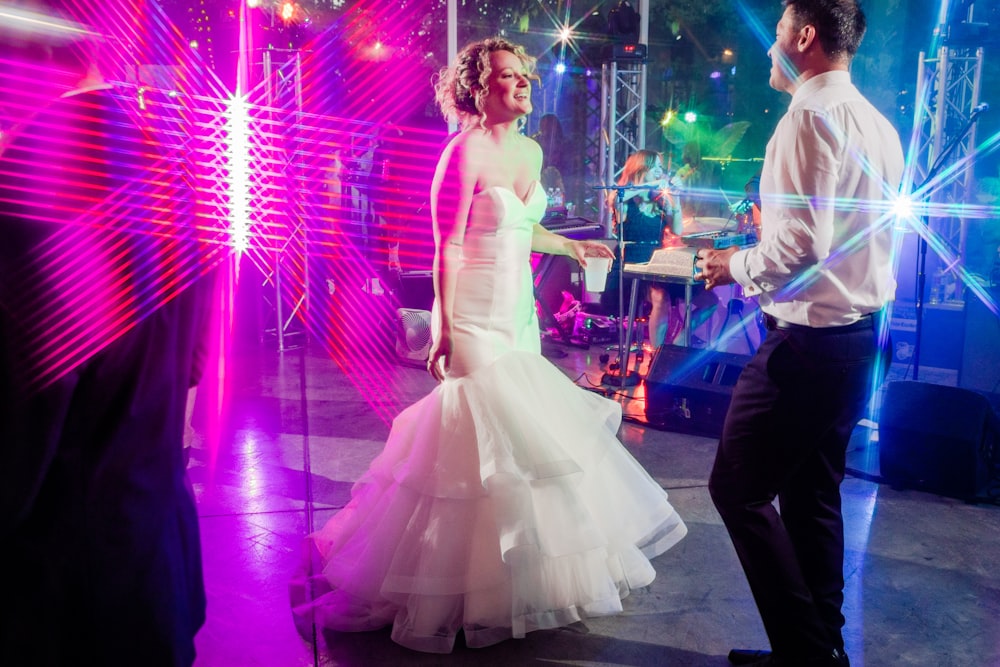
(936, 438)
(940, 339)
(981, 348)
(688, 389)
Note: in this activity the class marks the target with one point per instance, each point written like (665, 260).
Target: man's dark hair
(840, 24)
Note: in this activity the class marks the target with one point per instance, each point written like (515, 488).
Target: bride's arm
(543, 240)
(451, 200)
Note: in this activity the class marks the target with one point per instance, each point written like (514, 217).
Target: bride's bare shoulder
(467, 145)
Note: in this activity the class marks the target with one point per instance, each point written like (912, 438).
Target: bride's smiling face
(509, 95)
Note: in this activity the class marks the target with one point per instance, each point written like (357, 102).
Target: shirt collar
(815, 84)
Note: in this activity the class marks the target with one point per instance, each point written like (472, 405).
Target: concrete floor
(923, 571)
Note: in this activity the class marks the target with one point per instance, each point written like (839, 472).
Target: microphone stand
(624, 377)
(922, 243)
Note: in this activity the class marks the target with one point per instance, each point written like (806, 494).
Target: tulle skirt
(502, 503)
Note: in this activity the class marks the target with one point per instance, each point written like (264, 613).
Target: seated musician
(652, 219)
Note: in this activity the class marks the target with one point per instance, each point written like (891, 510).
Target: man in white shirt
(822, 272)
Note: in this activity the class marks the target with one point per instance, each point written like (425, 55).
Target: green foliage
(714, 143)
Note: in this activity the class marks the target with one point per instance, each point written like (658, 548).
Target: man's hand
(714, 265)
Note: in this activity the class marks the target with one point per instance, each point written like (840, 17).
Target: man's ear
(807, 35)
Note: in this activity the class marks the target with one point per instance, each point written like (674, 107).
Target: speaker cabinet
(936, 438)
(981, 348)
(940, 340)
(688, 389)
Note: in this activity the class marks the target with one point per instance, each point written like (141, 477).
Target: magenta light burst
(269, 173)
(89, 282)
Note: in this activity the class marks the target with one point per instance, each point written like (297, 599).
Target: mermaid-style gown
(503, 501)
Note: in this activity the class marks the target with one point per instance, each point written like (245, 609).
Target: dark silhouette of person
(103, 315)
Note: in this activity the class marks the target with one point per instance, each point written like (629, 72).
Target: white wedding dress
(503, 501)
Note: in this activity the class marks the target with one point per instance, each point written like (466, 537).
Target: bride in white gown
(503, 501)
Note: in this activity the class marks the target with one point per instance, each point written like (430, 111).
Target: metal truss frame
(948, 88)
(623, 121)
(286, 280)
(593, 136)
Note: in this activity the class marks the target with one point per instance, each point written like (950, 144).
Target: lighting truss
(286, 280)
(623, 127)
(948, 87)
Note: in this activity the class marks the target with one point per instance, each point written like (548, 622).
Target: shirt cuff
(738, 270)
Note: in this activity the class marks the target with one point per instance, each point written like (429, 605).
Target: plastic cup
(595, 274)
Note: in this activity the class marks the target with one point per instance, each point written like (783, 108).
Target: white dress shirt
(830, 173)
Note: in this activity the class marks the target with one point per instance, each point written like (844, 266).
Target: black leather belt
(865, 322)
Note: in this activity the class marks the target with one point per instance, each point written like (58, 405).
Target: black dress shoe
(752, 658)
(745, 656)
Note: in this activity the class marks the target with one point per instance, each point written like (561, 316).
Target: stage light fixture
(627, 51)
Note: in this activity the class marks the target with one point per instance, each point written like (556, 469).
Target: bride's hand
(439, 357)
(583, 249)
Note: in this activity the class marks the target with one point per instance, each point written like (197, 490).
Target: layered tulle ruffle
(502, 503)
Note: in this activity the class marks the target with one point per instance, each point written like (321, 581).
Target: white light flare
(238, 154)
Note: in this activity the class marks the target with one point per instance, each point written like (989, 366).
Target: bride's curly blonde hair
(461, 88)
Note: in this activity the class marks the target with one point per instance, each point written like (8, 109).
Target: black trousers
(785, 436)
